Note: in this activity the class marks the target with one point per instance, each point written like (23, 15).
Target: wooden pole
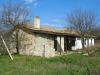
(6, 47)
(44, 51)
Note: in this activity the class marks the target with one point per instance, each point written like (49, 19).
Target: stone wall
(37, 44)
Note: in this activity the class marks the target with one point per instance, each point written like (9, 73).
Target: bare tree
(13, 14)
(96, 32)
(82, 21)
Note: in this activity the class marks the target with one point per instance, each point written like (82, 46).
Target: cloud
(57, 20)
(34, 2)
(54, 25)
(30, 1)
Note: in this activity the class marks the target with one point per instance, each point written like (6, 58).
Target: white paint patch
(78, 44)
(92, 41)
(62, 43)
(89, 42)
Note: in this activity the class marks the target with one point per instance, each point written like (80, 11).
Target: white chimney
(37, 22)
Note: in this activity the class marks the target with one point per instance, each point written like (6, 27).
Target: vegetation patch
(73, 64)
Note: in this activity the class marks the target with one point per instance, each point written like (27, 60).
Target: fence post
(43, 50)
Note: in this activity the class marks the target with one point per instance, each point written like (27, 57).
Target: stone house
(42, 42)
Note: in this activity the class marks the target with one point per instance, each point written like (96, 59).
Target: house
(42, 42)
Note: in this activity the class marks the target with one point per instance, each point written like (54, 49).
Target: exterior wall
(86, 43)
(58, 43)
(92, 41)
(78, 44)
(62, 43)
(89, 42)
(37, 44)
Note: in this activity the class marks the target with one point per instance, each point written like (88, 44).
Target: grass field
(74, 64)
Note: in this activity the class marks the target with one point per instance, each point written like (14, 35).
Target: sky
(54, 12)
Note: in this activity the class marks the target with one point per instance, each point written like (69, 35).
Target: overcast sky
(53, 12)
